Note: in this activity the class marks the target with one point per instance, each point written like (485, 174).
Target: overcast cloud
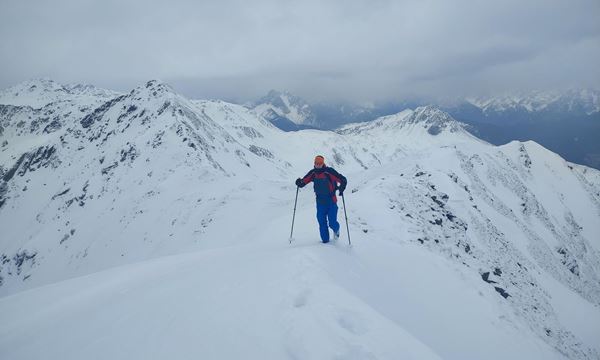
(354, 50)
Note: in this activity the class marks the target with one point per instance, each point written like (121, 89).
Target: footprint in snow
(351, 322)
(301, 299)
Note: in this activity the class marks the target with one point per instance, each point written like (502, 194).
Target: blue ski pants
(327, 213)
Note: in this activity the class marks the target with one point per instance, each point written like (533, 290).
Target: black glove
(299, 182)
(341, 190)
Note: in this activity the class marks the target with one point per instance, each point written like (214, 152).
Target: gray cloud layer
(354, 49)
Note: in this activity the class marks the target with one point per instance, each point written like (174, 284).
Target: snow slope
(147, 224)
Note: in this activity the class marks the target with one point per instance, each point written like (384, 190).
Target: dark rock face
(501, 291)
(434, 130)
(261, 152)
(485, 276)
(52, 127)
(97, 114)
(28, 162)
(16, 264)
(10, 173)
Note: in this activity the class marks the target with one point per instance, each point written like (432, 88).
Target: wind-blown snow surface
(146, 225)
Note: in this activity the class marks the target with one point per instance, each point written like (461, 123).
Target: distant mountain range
(290, 112)
(566, 122)
(572, 101)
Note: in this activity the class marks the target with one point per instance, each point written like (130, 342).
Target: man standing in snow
(325, 181)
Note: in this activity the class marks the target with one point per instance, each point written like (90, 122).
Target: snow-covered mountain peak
(35, 93)
(153, 89)
(282, 98)
(156, 98)
(40, 84)
(38, 93)
(434, 119)
(382, 123)
(90, 90)
(430, 119)
(285, 105)
(430, 113)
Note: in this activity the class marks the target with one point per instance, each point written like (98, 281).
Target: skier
(325, 181)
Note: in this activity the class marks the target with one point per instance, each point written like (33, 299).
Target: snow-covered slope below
(149, 216)
(269, 300)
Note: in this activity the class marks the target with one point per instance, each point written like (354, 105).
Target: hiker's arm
(308, 177)
(339, 178)
(305, 180)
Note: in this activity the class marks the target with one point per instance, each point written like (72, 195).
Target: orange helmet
(319, 160)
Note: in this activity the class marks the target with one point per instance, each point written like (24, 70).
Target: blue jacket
(325, 181)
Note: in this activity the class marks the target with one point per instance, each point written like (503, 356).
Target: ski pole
(346, 216)
(294, 217)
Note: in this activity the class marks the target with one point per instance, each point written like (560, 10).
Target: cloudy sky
(344, 49)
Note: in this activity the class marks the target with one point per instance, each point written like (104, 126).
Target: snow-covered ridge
(441, 222)
(38, 93)
(429, 118)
